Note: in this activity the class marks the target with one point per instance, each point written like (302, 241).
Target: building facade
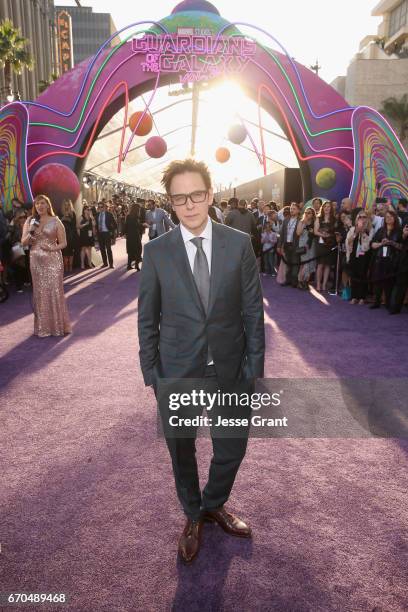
(35, 18)
(89, 30)
(380, 68)
(393, 30)
(283, 186)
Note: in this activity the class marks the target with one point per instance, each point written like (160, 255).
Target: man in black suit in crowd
(288, 243)
(254, 207)
(105, 225)
(402, 211)
(200, 315)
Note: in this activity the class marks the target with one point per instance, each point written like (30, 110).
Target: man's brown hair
(182, 166)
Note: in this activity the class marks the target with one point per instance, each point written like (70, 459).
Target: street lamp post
(316, 67)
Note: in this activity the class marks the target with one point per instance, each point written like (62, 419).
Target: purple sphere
(156, 147)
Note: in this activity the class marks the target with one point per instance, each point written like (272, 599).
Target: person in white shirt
(269, 239)
(377, 220)
(157, 220)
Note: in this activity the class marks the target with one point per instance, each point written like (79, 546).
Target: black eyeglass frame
(187, 196)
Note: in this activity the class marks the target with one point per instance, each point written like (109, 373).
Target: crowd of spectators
(360, 254)
(82, 233)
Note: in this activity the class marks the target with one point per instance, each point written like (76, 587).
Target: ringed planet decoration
(156, 146)
(222, 155)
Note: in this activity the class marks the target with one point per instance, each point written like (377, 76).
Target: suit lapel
(217, 263)
(180, 258)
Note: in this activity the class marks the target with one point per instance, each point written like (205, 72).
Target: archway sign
(342, 150)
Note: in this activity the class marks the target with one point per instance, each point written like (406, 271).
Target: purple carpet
(88, 505)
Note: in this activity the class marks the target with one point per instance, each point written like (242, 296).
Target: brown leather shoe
(190, 540)
(230, 523)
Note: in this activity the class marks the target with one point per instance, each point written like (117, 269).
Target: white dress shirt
(377, 222)
(291, 229)
(192, 249)
(102, 222)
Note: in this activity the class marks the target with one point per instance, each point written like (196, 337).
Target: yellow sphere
(326, 178)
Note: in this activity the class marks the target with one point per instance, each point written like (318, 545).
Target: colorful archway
(341, 150)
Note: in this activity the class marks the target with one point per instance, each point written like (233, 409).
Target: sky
(329, 30)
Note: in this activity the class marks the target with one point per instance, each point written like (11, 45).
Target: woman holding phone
(358, 256)
(324, 230)
(86, 236)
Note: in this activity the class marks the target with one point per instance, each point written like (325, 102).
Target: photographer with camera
(358, 256)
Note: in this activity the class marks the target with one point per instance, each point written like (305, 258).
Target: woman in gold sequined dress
(45, 234)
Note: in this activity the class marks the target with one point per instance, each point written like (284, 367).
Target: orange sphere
(222, 155)
(145, 126)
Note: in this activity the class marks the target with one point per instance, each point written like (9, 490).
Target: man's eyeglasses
(197, 197)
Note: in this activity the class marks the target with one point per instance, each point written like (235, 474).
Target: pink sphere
(156, 146)
(56, 181)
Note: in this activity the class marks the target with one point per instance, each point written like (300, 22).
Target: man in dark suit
(288, 244)
(201, 316)
(402, 211)
(254, 207)
(105, 225)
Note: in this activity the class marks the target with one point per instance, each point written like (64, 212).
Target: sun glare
(219, 109)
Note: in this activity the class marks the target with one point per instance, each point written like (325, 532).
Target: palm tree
(44, 84)
(14, 56)
(397, 110)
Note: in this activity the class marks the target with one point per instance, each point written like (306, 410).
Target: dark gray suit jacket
(173, 327)
(163, 221)
(284, 233)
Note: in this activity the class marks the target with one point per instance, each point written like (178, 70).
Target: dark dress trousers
(133, 239)
(401, 282)
(105, 238)
(174, 334)
(289, 251)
